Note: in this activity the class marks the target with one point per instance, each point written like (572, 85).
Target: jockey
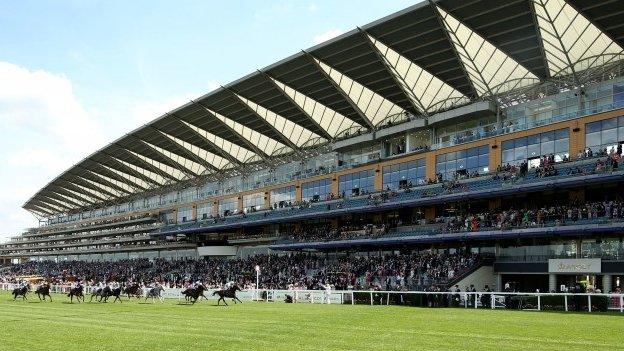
(328, 293)
(22, 284)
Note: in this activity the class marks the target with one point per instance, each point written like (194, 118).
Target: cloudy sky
(77, 74)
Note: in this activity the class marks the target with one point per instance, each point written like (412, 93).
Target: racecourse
(133, 325)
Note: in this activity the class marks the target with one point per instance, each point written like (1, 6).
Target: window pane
(548, 147)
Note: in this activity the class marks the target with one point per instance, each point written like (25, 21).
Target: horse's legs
(50, 297)
(238, 299)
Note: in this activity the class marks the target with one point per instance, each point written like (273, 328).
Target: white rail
(492, 300)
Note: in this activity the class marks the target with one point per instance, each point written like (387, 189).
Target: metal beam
(188, 153)
(399, 81)
(69, 184)
(131, 171)
(268, 78)
(66, 192)
(282, 138)
(246, 141)
(54, 195)
(563, 48)
(452, 45)
(212, 146)
(166, 160)
(539, 37)
(144, 164)
(118, 177)
(50, 203)
(342, 93)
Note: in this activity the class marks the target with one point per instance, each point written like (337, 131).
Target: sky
(77, 74)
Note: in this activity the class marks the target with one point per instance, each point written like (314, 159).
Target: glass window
(204, 211)
(318, 190)
(228, 206)
(470, 160)
(282, 196)
(358, 183)
(185, 214)
(603, 134)
(253, 202)
(401, 175)
(538, 145)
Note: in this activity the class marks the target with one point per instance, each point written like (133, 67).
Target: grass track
(34, 325)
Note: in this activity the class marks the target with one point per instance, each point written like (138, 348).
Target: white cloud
(332, 33)
(46, 130)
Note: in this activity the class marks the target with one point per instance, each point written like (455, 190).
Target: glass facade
(532, 147)
(402, 174)
(358, 183)
(185, 214)
(253, 202)
(472, 160)
(316, 191)
(607, 134)
(204, 211)
(282, 196)
(228, 206)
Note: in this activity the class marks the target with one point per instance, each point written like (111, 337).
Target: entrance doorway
(586, 282)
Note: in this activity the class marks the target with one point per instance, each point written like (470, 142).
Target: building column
(267, 200)
(499, 282)
(495, 154)
(298, 192)
(552, 282)
(430, 165)
(607, 283)
(378, 178)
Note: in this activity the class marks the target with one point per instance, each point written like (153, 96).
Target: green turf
(59, 325)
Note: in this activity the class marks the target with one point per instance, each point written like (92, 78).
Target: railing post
(565, 301)
(352, 298)
(621, 303)
(492, 301)
(371, 297)
(475, 299)
(388, 300)
(539, 302)
(589, 306)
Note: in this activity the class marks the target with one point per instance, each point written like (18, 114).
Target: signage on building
(575, 265)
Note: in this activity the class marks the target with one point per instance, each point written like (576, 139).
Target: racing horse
(192, 294)
(78, 292)
(108, 292)
(155, 293)
(229, 293)
(133, 290)
(97, 293)
(21, 292)
(43, 290)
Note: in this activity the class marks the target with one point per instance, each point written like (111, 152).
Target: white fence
(492, 300)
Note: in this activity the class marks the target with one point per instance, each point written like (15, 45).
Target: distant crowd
(302, 271)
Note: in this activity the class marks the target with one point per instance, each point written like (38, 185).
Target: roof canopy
(430, 57)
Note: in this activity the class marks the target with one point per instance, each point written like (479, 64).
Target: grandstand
(480, 132)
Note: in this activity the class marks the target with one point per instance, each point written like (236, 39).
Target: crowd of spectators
(471, 221)
(304, 271)
(533, 217)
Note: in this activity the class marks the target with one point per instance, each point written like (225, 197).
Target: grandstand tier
(489, 130)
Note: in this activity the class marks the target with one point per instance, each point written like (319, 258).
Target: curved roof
(432, 56)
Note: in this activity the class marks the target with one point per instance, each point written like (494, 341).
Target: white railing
(492, 300)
